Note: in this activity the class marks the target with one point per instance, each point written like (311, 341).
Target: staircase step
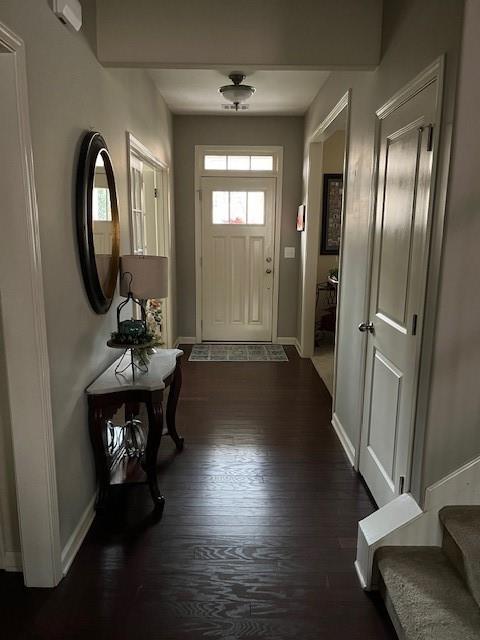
(461, 543)
(425, 596)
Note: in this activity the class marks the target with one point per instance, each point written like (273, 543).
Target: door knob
(268, 259)
(366, 327)
(268, 271)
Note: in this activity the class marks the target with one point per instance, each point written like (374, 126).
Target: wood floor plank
(258, 535)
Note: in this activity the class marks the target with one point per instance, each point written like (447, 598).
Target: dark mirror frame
(93, 143)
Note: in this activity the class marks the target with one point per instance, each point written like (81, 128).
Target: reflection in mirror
(102, 225)
(98, 228)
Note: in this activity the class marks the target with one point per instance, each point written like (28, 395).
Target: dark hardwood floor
(258, 535)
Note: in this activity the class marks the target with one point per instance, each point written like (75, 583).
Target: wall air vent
(69, 12)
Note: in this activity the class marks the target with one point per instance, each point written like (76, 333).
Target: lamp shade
(149, 276)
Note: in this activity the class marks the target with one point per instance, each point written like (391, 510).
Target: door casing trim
(32, 422)
(138, 149)
(277, 173)
(314, 197)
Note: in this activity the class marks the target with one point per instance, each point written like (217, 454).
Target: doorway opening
(325, 204)
(237, 226)
(150, 224)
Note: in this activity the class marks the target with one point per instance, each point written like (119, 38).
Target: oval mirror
(97, 222)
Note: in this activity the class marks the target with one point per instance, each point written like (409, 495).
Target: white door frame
(251, 278)
(312, 231)
(436, 215)
(28, 369)
(200, 172)
(139, 150)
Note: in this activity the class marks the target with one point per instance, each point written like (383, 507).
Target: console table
(110, 391)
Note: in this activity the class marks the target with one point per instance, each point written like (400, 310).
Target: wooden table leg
(155, 428)
(96, 423)
(172, 402)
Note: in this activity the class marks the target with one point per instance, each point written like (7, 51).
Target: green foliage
(132, 341)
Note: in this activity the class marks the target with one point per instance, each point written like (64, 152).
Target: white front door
(237, 258)
(399, 267)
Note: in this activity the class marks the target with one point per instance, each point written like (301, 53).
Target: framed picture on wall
(301, 218)
(331, 213)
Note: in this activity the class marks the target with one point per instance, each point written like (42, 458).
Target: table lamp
(149, 277)
(141, 278)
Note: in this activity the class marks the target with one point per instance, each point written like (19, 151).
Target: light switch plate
(289, 252)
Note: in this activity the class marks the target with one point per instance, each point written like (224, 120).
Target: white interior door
(237, 258)
(400, 256)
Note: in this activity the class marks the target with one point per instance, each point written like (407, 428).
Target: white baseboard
(360, 576)
(73, 544)
(184, 340)
(344, 439)
(286, 340)
(13, 561)
(298, 347)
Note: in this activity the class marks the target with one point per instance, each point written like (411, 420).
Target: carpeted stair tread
(462, 543)
(428, 597)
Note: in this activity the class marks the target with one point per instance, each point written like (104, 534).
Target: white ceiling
(195, 91)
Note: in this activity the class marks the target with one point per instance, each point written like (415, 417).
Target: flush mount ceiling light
(237, 92)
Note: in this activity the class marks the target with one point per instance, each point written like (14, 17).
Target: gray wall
(70, 92)
(453, 428)
(415, 33)
(189, 33)
(189, 131)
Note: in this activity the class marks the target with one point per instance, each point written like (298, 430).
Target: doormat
(238, 353)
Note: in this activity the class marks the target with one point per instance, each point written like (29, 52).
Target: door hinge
(414, 324)
(155, 192)
(402, 484)
(199, 194)
(430, 138)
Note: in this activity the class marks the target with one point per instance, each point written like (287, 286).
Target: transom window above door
(238, 207)
(221, 162)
